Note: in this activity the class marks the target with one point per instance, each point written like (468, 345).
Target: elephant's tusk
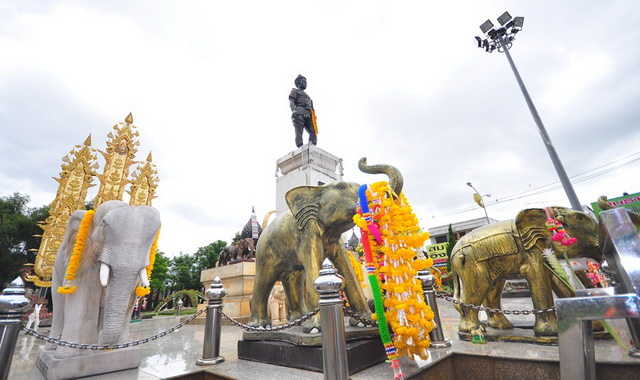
(143, 277)
(105, 271)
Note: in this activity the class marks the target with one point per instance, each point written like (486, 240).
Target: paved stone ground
(176, 354)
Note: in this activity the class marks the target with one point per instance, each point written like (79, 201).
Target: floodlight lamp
(504, 18)
(478, 41)
(518, 22)
(486, 26)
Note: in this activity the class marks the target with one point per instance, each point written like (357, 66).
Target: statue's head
(301, 82)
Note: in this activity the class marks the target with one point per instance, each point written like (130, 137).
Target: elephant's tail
(455, 278)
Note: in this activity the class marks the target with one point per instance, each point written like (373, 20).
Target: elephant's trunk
(117, 306)
(604, 205)
(395, 177)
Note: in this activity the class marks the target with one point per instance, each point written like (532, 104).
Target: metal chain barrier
(296, 322)
(352, 314)
(494, 310)
(109, 346)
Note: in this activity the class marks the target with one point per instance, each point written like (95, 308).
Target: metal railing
(575, 315)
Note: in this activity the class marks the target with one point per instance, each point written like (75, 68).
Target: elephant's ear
(303, 203)
(70, 234)
(531, 226)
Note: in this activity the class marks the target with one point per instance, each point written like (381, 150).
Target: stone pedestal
(93, 363)
(305, 166)
(238, 280)
(296, 349)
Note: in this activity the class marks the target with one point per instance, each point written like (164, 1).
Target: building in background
(439, 234)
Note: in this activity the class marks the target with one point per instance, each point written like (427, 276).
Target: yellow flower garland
(142, 291)
(406, 311)
(76, 254)
(357, 269)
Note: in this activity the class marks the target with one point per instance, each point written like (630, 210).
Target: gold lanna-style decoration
(78, 169)
(119, 156)
(144, 182)
(75, 179)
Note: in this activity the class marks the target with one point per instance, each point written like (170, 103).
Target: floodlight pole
(564, 179)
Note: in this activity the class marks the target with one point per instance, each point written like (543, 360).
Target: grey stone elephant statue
(483, 259)
(114, 260)
(291, 249)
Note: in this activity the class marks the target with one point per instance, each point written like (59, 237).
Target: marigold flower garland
(76, 254)
(391, 239)
(142, 291)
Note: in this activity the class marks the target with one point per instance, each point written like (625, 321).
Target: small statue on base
(277, 305)
(302, 113)
(34, 318)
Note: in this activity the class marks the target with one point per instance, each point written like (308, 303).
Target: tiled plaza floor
(176, 354)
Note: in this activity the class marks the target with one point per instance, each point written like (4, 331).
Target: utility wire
(577, 178)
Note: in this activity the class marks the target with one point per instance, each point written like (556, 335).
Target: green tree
(160, 274)
(182, 273)
(236, 238)
(17, 230)
(451, 241)
(206, 257)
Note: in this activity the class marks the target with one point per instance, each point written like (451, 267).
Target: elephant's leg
(475, 287)
(311, 297)
(496, 320)
(294, 290)
(353, 290)
(539, 279)
(264, 281)
(58, 317)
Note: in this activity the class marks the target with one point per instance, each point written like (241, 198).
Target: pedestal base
(95, 363)
(522, 335)
(361, 354)
(238, 280)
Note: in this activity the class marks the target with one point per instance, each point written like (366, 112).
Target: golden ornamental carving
(78, 170)
(122, 147)
(144, 182)
(74, 181)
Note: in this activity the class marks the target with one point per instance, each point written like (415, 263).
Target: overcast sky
(399, 82)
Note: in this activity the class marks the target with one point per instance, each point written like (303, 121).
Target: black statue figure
(303, 115)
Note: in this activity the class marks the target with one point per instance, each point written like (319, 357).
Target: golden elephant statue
(291, 249)
(484, 258)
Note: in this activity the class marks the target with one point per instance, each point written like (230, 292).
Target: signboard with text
(438, 253)
(630, 202)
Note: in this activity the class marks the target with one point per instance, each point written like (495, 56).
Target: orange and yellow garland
(142, 291)
(76, 254)
(391, 233)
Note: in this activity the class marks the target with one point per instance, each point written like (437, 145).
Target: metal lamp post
(501, 39)
(481, 201)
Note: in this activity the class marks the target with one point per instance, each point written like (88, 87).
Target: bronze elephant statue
(225, 256)
(484, 258)
(291, 249)
(243, 250)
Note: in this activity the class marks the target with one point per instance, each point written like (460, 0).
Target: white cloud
(400, 83)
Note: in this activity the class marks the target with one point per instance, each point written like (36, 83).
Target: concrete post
(334, 345)
(13, 304)
(213, 325)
